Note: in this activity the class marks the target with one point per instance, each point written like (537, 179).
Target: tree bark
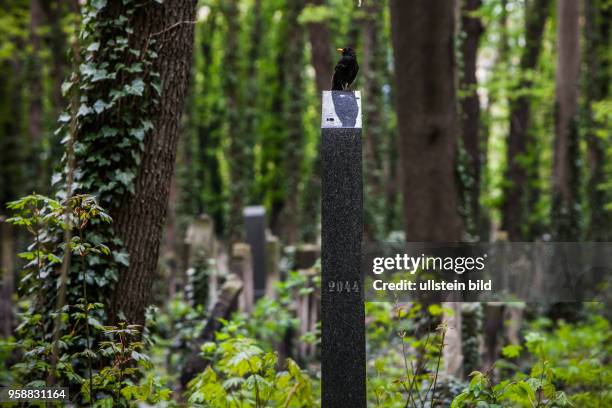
(237, 146)
(470, 110)
(140, 217)
(321, 57)
(320, 44)
(35, 96)
(596, 88)
(514, 207)
(423, 33)
(292, 114)
(376, 142)
(8, 282)
(565, 173)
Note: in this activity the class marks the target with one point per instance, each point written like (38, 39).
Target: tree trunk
(140, 217)
(423, 45)
(292, 114)
(376, 142)
(427, 119)
(7, 274)
(321, 57)
(57, 42)
(35, 97)
(514, 207)
(470, 110)
(566, 150)
(320, 44)
(596, 89)
(236, 153)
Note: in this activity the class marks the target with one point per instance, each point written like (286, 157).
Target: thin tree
(514, 208)
(237, 146)
(566, 150)
(470, 110)
(596, 83)
(292, 115)
(321, 58)
(422, 34)
(426, 106)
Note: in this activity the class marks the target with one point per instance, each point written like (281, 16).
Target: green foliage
(570, 369)
(405, 356)
(241, 374)
(117, 383)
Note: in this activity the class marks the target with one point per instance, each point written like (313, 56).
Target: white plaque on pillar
(341, 109)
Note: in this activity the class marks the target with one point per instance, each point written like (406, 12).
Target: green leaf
(135, 88)
(512, 351)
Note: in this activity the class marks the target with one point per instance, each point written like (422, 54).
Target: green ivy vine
(117, 89)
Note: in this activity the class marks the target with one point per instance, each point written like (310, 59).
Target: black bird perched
(346, 70)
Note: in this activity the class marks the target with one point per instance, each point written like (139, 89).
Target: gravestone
(255, 223)
(343, 362)
(242, 266)
(202, 247)
(272, 263)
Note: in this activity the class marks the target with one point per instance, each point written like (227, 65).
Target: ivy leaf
(94, 46)
(98, 4)
(135, 88)
(125, 177)
(99, 106)
(122, 258)
(84, 110)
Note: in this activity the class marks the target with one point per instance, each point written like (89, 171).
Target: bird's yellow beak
(339, 49)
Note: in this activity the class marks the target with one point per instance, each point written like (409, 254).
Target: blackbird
(346, 70)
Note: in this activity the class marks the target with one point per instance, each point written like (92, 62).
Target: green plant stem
(87, 332)
(433, 392)
(71, 163)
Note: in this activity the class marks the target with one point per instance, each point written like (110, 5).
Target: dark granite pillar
(342, 309)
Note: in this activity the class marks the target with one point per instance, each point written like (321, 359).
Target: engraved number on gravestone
(343, 286)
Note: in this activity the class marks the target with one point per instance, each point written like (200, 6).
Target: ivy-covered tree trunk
(376, 141)
(321, 56)
(11, 178)
(423, 33)
(566, 150)
(292, 115)
(37, 181)
(514, 208)
(57, 40)
(470, 111)
(596, 81)
(238, 146)
(140, 217)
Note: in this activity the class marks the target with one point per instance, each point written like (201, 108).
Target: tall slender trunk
(470, 110)
(237, 148)
(427, 117)
(140, 218)
(373, 67)
(514, 208)
(596, 88)
(35, 95)
(292, 114)
(7, 284)
(566, 150)
(321, 57)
